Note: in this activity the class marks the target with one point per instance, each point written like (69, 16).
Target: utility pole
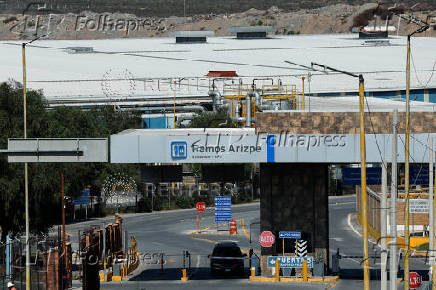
(383, 222)
(393, 205)
(432, 205)
(26, 174)
(364, 193)
(423, 26)
(64, 241)
(433, 237)
(302, 79)
(406, 173)
(430, 202)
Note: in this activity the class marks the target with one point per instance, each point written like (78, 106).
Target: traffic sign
(223, 208)
(415, 280)
(200, 206)
(84, 198)
(301, 248)
(290, 235)
(290, 262)
(267, 239)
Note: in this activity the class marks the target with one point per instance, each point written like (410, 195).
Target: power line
(416, 73)
(423, 156)
(384, 164)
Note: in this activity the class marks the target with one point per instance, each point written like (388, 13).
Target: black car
(227, 258)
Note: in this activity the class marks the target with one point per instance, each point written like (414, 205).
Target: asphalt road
(173, 232)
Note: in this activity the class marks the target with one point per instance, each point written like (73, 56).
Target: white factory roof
(123, 68)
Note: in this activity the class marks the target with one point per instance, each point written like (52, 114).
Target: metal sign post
(288, 235)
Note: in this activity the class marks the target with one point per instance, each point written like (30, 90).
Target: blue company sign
(223, 208)
(351, 176)
(289, 262)
(270, 153)
(290, 235)
(179, 150)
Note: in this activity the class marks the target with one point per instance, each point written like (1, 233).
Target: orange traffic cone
(233, 229)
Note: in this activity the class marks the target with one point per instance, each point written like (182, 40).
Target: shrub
(185, 202)
(10, 19)
(144, 205)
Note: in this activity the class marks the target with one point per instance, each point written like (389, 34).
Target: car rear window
(227, 252)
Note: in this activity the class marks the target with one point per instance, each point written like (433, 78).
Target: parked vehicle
(227, 258)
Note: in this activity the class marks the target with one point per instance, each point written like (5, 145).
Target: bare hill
(166, 8)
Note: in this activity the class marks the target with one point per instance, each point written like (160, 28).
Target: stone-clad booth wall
(294, 197)
(340, 122)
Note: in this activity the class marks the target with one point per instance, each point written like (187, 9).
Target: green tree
(44, 178)
(215, 119)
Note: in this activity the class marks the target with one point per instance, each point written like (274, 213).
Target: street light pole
(406, 172)
(393, 205)
(366, 274)
(364, 194)
(26, 176)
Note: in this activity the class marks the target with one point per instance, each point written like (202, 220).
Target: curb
(300, 280)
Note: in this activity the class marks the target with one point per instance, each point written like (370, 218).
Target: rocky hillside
(339, 18)
(166, 8)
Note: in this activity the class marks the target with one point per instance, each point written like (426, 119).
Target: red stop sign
(414, 280)
(267, 239)
(201, 206)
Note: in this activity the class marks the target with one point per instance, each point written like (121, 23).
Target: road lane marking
(205, 240)
(243, 229)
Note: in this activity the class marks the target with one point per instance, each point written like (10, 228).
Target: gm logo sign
(179, 150)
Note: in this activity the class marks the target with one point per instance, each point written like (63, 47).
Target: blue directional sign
(290, 262)
(290, 235)
(83, 199)
(223, 208)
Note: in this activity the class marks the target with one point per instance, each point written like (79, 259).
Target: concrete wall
(294, 197)
(340, 122)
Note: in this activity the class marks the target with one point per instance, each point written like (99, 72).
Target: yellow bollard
(184, 277)
(305, 270)
(277, 271)
(253, 271)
